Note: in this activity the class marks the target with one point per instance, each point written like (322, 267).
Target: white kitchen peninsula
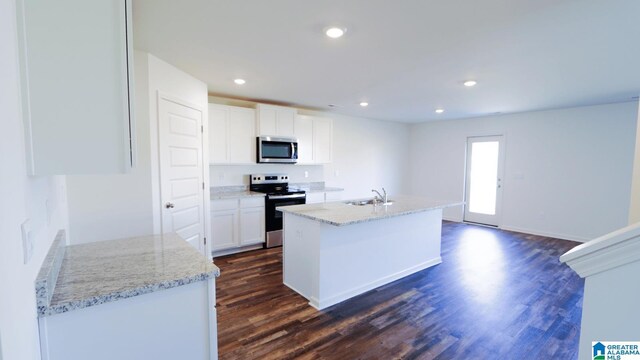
(335, 251)
(147, 297)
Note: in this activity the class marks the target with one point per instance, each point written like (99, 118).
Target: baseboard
(332, 300)
(223, 252)
(544, 233)
(529, 231)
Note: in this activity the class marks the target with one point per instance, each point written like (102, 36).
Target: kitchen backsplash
(231, 175)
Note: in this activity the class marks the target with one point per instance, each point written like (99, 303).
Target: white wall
(40, 199)
(567, 172)
(103, 207)
(634, 206)
(610, 313)
(227, 175)
(366, 154)
(369, 154)
(106, 207)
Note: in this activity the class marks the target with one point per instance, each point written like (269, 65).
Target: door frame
(157, 187)
(501, 172)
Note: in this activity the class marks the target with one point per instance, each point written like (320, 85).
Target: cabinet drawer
(229, 204)
(257, 201)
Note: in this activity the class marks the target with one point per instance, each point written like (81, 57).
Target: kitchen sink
(368, 202)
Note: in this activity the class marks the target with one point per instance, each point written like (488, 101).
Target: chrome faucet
(380, 196)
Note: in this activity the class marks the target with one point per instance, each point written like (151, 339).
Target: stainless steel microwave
(279, 150)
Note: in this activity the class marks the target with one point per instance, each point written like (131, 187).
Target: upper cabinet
(304, 133)
(275, 120)
(315, 139)
(232, 135)
(76, 76)
(322, 140)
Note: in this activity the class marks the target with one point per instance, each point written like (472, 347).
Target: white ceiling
(405, 57)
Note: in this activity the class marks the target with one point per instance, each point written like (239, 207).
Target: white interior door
(485, 158)
(181, 171)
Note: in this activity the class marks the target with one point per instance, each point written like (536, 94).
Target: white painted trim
(213, 320)
(24, 90)
(609, 251)
(206, 218)
(371, 285)
(44, 339)
(497, 217)
(235, 250)
(129, 124)
(544, 233)
(300, 293)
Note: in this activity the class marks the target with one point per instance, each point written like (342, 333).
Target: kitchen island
(335, 251)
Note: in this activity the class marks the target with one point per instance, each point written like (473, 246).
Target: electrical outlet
(221, 176)
(27, 241)
(306, 174)
(336, 173)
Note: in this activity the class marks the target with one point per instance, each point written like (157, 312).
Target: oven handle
(278, 197)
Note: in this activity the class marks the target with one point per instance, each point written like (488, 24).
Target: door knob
(169, 205)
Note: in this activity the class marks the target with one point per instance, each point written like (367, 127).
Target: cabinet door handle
(169, 205)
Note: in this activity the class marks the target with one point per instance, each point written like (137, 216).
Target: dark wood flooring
(496, 295)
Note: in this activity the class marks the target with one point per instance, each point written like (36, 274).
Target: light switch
(27, 241)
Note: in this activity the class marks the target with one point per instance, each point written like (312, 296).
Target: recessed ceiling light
(364, 104)
(239, 81)
(439, 111)
(470, 83)
(335, 32)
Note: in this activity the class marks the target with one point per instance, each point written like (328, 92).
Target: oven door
(273, 218)
(277, 150)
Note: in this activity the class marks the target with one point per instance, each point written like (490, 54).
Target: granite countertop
(223, 195)
(340, 213)
(316, 190)
(79, 276)
(314, 187)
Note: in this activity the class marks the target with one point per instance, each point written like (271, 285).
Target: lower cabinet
(315, 197)
(333, 196)
(175, 323)
(320, 197)
(237, 222)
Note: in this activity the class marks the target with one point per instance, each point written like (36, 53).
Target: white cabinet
(333, 196)
(224, 228)
(315, 197)
(232, 135)
(304, 133)
(76, 70)
(237, 222)
(252, 221)
(275, 120)
(322, 140)
(315, 139)
(320, 197)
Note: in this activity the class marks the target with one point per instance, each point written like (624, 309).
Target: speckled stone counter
(314, 187)
(80, 276)
(232, 192)
(341, 213)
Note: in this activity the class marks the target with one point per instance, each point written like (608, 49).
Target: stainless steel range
(276, 186)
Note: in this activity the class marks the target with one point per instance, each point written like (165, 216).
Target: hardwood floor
(496, 295)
